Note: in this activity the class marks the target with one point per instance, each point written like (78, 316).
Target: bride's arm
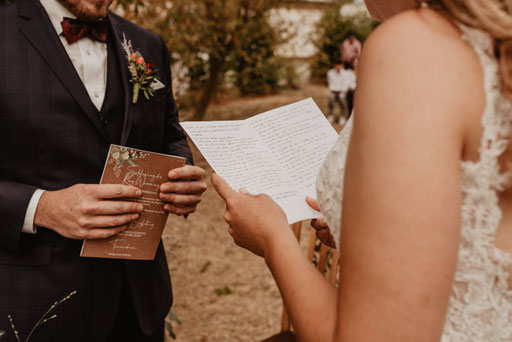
(258, 224)
(420, 89)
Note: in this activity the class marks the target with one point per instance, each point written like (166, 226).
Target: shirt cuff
(28, 223)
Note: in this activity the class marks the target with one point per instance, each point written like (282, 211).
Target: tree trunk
(209, 89)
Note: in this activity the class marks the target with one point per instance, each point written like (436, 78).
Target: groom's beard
(87, 10)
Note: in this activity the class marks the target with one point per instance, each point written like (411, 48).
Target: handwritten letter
(278, 153)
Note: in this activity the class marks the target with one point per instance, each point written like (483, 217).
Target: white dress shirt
(341, 81)
(89, 57)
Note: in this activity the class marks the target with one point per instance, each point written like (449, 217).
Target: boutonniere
(143, 74)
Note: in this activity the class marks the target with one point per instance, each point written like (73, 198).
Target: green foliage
(332, 29)
(210, 39)
(224, 291)
(171, 317)
(205, 266)
(253, 60)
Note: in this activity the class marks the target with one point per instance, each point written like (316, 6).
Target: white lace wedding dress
(480, 307)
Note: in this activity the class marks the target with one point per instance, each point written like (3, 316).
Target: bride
(423, 170)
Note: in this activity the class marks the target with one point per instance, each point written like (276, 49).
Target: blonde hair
(492, 16)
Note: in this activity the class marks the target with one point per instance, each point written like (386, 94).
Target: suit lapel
(40, 33)
(123, 62)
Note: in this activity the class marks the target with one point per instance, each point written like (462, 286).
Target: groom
(65, 96)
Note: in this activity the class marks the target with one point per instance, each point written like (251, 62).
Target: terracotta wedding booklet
(147, 171)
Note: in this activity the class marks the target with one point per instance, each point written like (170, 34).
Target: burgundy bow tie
(74, 29)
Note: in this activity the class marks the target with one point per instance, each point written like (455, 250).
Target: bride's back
(421, 199)
(496, 109)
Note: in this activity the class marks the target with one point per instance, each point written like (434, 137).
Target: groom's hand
(88, 211)
(183, 192)
(323, 233)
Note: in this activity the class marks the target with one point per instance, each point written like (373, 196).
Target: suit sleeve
(14, 200)
(175, 139)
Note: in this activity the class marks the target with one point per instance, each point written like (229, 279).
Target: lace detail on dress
(480, 307)
(329, 182)
(481, 303)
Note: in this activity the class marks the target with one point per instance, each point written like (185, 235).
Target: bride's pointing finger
(222, 187)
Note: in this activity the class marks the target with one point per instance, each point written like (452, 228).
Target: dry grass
(202, 257)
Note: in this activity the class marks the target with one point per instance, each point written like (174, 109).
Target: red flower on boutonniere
(143, 74)
(149, 69)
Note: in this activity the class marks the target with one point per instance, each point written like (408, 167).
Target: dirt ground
(222, 292)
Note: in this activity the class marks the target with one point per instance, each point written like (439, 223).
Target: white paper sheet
(278, 152)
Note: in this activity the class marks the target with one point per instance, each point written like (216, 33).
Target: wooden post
(311, 243)
(322, 260)
(334, 266)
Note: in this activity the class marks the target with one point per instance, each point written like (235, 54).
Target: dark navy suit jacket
(51, 137)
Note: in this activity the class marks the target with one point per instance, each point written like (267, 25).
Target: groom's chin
(88, 10)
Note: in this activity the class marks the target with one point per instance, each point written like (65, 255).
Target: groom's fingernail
(172, 175)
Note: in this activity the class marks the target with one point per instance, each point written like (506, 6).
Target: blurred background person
(340, 81)
(350, 49)
(350, 93)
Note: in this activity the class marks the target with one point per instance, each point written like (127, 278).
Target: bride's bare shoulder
(418, 27)
(419, 55)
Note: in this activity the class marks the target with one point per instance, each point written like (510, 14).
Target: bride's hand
(254, 221)
(323, 233)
